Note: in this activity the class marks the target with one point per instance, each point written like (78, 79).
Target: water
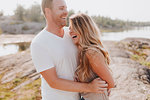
(8, 49)
(13, 48)
(115, 36)
(143, 32)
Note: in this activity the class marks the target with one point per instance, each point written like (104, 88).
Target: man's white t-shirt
(47, 51)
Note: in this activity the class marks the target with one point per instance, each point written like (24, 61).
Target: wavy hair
(90, 38)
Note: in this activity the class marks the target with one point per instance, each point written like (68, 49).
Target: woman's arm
(99, 66)
(67, 85)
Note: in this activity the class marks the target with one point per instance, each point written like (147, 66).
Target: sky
(132, 10)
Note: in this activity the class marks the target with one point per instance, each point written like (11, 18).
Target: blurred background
(125, 32)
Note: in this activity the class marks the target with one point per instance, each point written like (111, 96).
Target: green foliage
(106, 22)
(30, 91)
(141, 58)
(16, 81)
(1, 31)
(1, 13)
(23, 46)
(34, 13)
(135, 57)
(71, 12)
(20, 12)
(31, 14)
(5, 90)
(145, 63)
(35, 88)
(148, 97)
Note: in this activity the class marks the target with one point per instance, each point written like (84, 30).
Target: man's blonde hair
(46, 4)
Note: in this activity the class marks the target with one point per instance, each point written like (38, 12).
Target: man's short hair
(46, 4)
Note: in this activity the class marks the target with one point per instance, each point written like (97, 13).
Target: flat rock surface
(130, 76)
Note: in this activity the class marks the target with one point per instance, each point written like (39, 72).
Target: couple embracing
(72, 61)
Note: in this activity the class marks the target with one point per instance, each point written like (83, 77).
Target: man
(55, 57)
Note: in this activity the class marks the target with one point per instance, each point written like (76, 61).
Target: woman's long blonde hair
(90, 37)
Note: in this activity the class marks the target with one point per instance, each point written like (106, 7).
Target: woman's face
(75, 36)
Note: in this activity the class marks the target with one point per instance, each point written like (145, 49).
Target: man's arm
(67, 85)
(44, 64)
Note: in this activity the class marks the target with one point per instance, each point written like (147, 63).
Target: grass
(28, 92)
(5, 93)
(141, 59)
(138, 54)
(145, 63)
(1, 31)
(148, 97)
(34, 90)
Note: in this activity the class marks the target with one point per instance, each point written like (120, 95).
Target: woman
(94, 59)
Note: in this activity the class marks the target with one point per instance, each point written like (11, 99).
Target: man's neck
(55, 30)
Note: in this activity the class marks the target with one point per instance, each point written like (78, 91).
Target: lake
(8, 49)
(143, 32)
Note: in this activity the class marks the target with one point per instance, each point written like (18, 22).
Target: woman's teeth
(74, 36)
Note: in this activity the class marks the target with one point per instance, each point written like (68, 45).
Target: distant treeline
(104, 23)
(108, 24)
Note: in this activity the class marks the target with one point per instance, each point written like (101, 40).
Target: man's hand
(97, 86)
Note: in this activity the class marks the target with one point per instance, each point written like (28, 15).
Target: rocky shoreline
(132, 78)
(20, 81)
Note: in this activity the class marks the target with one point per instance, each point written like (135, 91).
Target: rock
(22, 67)
(121, 60)
(131, 77)
(15, 39)
(115, 53)
(26, 82)
(139, 40)
(136, 43)
(148, 59)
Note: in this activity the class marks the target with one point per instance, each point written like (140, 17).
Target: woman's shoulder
(93, 52)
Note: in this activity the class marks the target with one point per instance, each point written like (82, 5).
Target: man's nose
(66, 12)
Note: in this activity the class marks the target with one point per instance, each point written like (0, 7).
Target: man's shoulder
(39, 37)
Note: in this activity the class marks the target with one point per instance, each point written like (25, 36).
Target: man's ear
(47, 11)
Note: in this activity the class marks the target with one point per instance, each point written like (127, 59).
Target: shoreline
(18, 75)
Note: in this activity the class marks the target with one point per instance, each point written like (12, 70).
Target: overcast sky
(135, 10)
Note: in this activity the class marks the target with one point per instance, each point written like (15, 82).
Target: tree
(34, 13)
(1, 13)
(20, 12)
(71, 12)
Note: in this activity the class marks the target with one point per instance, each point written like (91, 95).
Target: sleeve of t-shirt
(41, 58)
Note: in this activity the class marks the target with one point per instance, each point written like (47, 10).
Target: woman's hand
(109, 91)
(97, 86)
